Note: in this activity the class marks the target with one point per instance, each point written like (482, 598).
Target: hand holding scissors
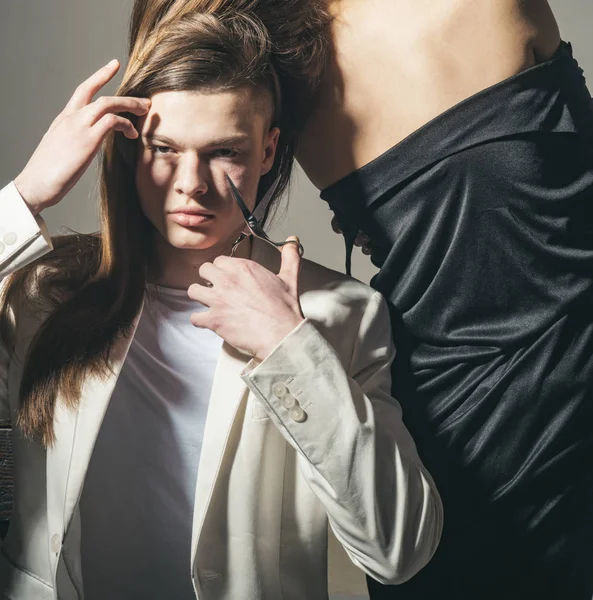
(250, 307)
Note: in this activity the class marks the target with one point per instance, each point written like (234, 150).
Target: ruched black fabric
(482, 225)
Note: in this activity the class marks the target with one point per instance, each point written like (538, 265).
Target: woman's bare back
(397, 64)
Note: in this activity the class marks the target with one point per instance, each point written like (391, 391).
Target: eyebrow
(224, 141)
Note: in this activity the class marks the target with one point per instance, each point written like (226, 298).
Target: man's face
(189, 142)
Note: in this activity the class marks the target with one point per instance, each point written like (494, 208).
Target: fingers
(210, 272)
(290, 266)
(362, 239)
(116, 123)
(116, 104)
(200, 293)
(336, 226)
(200, 319)
(97, 110)
(87, 89)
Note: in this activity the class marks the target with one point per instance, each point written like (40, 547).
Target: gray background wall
(48, 46)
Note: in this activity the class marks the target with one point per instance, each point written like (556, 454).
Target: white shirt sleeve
(23, 237)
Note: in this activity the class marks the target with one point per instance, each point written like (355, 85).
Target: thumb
(290, 266)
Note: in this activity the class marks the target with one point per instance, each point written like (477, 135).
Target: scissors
(252, 219)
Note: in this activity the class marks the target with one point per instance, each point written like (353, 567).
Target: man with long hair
(192, 414)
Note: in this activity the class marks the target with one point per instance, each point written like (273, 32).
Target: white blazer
(270, 479)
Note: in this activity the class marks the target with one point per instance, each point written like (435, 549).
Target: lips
(190, 218)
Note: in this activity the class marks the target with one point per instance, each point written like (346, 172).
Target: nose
(191, 178)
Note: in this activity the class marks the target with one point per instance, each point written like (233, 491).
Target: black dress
(482, 225)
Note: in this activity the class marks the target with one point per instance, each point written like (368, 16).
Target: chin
(186, 239)
(198, 238)
(193, 241)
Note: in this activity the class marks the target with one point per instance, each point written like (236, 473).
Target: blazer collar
(228, 393)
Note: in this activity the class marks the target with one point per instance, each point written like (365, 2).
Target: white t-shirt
(137, 501)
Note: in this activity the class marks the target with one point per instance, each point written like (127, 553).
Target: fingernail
(292, 238)
(112, 62)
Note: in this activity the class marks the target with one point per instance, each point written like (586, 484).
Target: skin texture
(397, 64)
(183, 167)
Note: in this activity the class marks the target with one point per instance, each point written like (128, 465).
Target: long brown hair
(92, 286)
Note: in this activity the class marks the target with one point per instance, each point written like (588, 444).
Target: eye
(161, 149)
(226, 153)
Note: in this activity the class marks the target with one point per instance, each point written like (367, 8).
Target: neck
(178, 268)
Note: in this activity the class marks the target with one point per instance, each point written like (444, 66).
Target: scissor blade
(249, 218)
(260, 210)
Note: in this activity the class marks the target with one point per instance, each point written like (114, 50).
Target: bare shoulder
(397, 64)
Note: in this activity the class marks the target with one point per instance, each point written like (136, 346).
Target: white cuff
(23, 237)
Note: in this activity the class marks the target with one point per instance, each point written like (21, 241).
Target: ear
(270, 146)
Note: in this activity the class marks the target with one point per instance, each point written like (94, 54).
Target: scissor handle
(299, 246)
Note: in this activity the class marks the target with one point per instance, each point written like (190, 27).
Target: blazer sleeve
(23, 238)
(354, 450)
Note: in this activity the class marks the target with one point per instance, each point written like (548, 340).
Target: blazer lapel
(76, 433)
(228, 392)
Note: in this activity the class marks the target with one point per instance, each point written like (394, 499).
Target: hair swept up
(299, 31)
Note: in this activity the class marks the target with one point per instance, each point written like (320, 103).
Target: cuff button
(297, 414)
(289, 401)
(279, 390)
(9, 238)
